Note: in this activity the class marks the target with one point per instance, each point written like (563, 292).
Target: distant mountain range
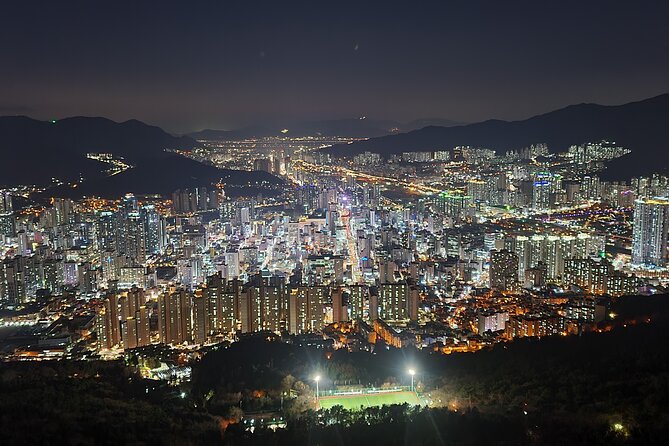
(642, 126)
(34, 152)
(354, 128)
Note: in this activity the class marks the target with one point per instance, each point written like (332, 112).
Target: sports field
(368, 400)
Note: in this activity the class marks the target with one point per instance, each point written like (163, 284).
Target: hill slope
(34, 152)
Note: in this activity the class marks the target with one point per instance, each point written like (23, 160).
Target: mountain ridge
(35, 152)
(347, 127)
(639, 125)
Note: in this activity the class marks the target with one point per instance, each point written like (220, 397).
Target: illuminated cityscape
(332, 267)
(507, 236)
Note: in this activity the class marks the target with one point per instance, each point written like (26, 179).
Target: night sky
(221, 64)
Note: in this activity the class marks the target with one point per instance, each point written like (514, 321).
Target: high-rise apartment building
(503, 270)
(649, 236)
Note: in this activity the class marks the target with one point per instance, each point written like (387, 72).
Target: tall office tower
(130, 234)
(503, 270)
(106, 230)
(131, 240)
(357, 304)
(649, 237)
(107, 323)
(306, 309)
(7, 219)
(174, 317)
(394, 301)
(154, 229)
(541, 193)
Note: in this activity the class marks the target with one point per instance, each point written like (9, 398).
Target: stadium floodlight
(412, 372)
(317, 378)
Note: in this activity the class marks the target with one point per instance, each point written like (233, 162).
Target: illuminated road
(343, 171)
(356, 275)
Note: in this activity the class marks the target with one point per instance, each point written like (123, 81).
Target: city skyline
(351, 252)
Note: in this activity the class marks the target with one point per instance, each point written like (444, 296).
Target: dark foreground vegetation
(600, 388)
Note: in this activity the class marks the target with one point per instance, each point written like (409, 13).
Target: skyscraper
(541, 191)
(7, 223)
(131, 240)
(649, 237)
(154, 229)
(106, 230)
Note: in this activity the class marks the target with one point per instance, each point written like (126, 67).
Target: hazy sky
(221, 64)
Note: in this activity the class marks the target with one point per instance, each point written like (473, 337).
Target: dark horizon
(228, 66)
(278, 121)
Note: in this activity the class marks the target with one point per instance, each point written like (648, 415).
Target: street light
(412, 372)
(317, 378)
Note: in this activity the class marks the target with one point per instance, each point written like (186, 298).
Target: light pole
(317, 378)
(412, 372)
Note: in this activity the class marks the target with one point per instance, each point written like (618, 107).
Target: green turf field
(368, 400)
